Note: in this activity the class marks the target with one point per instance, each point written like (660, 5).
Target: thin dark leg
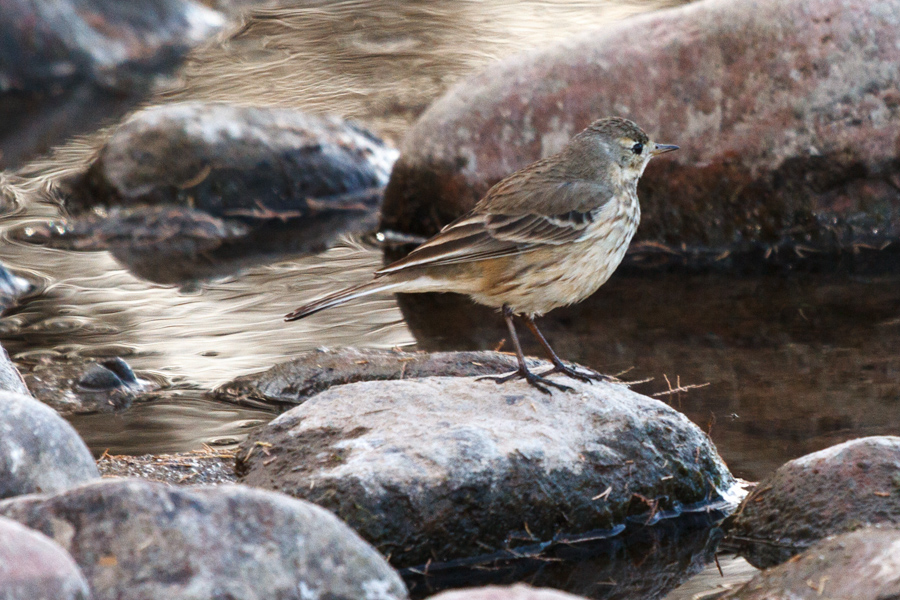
(522, 372)
(558, 365)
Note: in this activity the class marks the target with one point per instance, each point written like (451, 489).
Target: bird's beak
(662, 149)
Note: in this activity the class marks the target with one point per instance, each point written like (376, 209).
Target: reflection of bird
(546, 236)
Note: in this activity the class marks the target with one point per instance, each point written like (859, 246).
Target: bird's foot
(538, 381)
(586, 375)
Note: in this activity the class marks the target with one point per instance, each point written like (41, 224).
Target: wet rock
(293, 382)
(234, 161)
(34, 567)
(441, 468)
(862, 565)
(67, 66)
(12, 287)
(190, 190)
(77, 385)
(135, 539)
(10, 378)
(835, 490)
(804, 158)
(39, 450)
(513, 592)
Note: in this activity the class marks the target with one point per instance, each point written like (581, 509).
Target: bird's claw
(588, 376)
(537, 381)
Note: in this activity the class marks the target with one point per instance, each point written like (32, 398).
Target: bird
(546, 236)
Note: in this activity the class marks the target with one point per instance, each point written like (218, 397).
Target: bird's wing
(482, 235)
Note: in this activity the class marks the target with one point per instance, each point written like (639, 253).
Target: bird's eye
(637, 148)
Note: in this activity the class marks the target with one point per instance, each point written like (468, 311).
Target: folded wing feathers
(483, 235)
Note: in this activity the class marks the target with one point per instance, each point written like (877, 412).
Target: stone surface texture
(787, 114)
(293, 382)
(862, 565)
(502, 592)
(835, 490)
(34, 567)
(39, 450)
(441, 468)
(135, 540)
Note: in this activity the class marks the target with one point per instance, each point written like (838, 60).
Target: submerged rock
(294, 382)
(804, 156)
(441, 468)
(34, 567)
(135, 540)
(76, 385)
(862, 565)
(67, 66)
(39, 450)
(835, 490)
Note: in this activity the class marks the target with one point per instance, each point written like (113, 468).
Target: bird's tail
(339, 297)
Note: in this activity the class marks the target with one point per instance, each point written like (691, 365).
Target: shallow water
(790, 362)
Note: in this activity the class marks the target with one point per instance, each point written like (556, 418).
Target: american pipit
(546, 236)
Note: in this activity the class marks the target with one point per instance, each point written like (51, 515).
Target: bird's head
(626, 144)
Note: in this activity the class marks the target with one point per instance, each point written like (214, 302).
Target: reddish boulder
(838, 489)
(787, 114)
(34, 567)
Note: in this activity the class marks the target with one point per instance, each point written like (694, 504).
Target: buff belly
(536, 282)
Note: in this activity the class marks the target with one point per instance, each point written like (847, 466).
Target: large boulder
(39, 450)
(441, 468)
(34, 567)
(68, 65)
(136, 539)
(835, 490)
(787, 114)
(862, 565)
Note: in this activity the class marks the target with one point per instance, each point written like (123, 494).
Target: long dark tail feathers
(340, 297)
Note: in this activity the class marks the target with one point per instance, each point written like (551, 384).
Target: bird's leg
(558, 365)
(522, 372)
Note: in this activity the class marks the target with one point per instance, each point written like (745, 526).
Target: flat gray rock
(136, 540)
(862, 565)
(295, 381)
(39, 450)
(835, 490)
(442, 468)
(34, 567)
